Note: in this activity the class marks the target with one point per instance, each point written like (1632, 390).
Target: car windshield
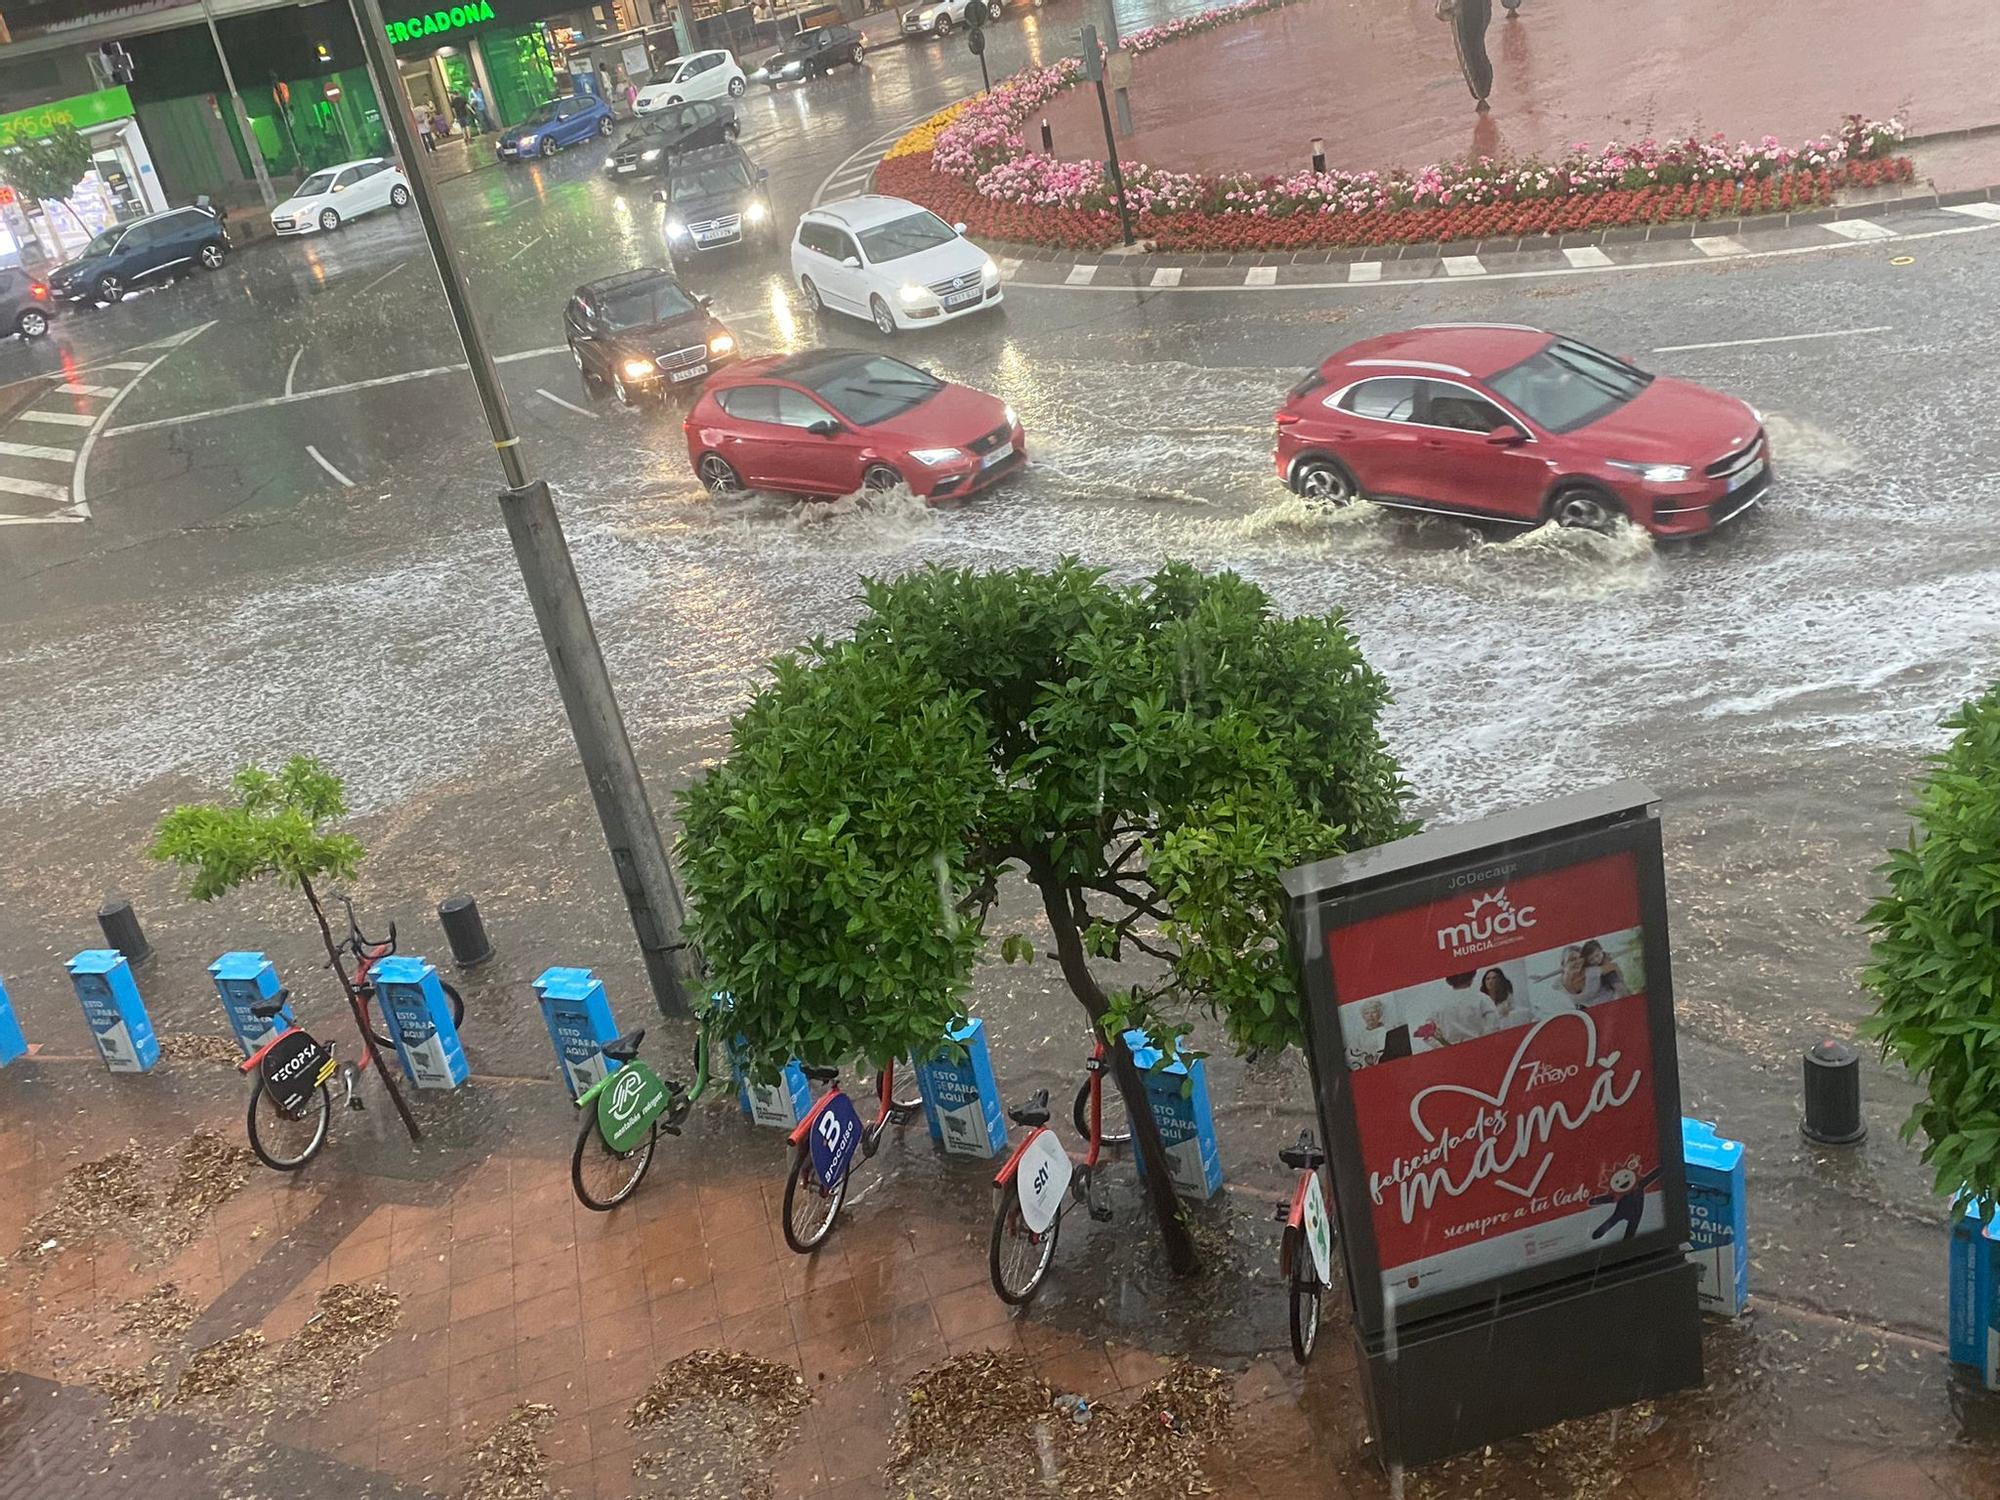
(102, 244)
(1567, 385)
(922, 230)
(314, 185)
(647, 303)
(871, 388)
(714, 181)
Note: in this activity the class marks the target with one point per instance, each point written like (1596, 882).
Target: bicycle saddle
(1304, 1155)
(267, 1010)
(1034, 1113)
(626, 1047)
(823, 1075)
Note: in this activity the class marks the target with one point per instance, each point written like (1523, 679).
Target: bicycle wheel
(905, 1098)
(282, 1143)
(1117, 1125)
(1305, 1314)
(810, 1209)
(604, 1178)
(1018, 1257)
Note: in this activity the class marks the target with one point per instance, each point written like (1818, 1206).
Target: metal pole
(645, 874)
(1113, 43)
(242, 115)
(1111, 153)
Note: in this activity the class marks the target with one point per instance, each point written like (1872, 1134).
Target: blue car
(559, 123)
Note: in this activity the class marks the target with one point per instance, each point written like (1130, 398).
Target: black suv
(813, 53)
(715, 198)
(25, 304)
(145, 249)
(647, 148)
(641, 333)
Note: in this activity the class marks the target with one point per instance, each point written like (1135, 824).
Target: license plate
(1744, 476)
(692, 372)
(999, 455)
(718, 236)
(963, 299)
(629, 167)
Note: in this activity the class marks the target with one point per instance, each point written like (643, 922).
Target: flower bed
(970, 163)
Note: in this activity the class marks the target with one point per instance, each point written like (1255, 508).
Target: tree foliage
(275, 827)
(1935, 960)
(49, 167)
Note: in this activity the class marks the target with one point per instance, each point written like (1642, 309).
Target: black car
(25, 304)
(813, 53)
(716, 197)
(646, 148)
(144, 250)
(641, 334)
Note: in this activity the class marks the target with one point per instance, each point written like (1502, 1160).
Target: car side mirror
(852, 262)
(659, 195)
(763, 174)
(958, 229)
(703, 298)
(824, 427)
(1506, 435)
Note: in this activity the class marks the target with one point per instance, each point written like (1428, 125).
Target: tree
(276, 827)
(1935, 958)
(1148, 757)
(49, 168)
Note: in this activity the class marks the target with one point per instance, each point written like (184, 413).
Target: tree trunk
(360, 1016)
(1146, 1140)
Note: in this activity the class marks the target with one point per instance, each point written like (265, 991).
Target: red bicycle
(366, 954)
(1305, 1257)
(824, 1147)
(291, 1106)
(1040, 1180)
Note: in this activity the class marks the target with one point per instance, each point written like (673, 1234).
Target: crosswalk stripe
(1463, 265)
(1585, 255)
(75, 388)
(1365, 270)
(1720, 244)
(37, 450)
(1859, 229)
(60, 418)
(1261, 276)
(1167, 276)
(55, 520)
(34, 488)
(1975, 210)
(1081, 275)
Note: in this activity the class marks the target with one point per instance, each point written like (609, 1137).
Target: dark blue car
(559, 123)
(140, 253)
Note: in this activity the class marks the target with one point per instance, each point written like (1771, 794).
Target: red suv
(1503, 423)
(832, 422)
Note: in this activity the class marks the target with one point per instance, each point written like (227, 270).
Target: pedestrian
(424, 130)
(440, 126)
(1468, 20)
(631, 97)
(475, 98)
(462, 112)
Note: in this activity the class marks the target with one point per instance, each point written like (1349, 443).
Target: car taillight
(38, 289)
(1287, 418)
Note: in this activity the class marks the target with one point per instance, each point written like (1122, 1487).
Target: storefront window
(523, 73)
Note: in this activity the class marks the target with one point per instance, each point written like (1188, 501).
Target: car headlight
(636, 369)
(722, 343)
(990, 271)
(911, 294)
(1755, 415)
(1655, 473)
(653, 155)
(1012, 420)
(610, 162)
(932, 457)
(756, 213)
(676, 230)
(526, 141)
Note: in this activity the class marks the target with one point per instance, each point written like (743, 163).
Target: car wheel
(1583, 508)
(879, 480)
(811, 294)
(400, 196)
(885, 321)
(32, 324)
(625, 396)
(675, 99)
(110, 289)
(210, 256)
(732, 130)
(718, 477)
(549, 147)
(736, 88)
(1321, 481)
(855, 55)
(604, 126)
(941, 27)
(329, 220)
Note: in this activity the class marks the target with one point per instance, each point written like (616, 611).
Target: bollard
(1833, 1095)
(1319, 153)
(459, 916)
(122, 930)
(1048, 139)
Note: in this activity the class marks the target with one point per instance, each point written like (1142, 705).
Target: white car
(701, 75)
(891, 261)
(937, 17)
(333, 195)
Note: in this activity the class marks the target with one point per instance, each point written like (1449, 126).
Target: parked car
(568, 121)
(833, 422)
(716, 197)
(891, 261)
(25, 304)
(1504, 423)
(938, 17)
(813, 53)
(701, 75)
(333, 195)
(648, 146)
(141, 251)
(641, 334)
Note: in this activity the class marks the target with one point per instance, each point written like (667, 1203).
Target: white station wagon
(892, 262)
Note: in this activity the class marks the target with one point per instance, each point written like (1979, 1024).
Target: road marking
(1167, 276)
(1859, 229)
(320, 458)
(1463, 265)
(34, 488)
(293, 368)
(1365, 270)
(866, 160)
(1782, 338)
(1009, 264)
(524, 249)
(61, 418)
(1719, 244)
(36, 450)
(1081, 275)
(166, 347)
(74, 388)
(1585, 255)
(124, 364)
(1975, 210)
(6, 520)
(1261, 276)
(581, 411)
(382, 278)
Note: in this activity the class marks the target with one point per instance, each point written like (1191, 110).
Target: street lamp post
(638, 854)
(256, 156)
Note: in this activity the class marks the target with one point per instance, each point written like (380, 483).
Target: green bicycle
(624, 1113)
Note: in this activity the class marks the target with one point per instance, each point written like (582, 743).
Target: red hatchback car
(1498, 422)
(833, 422)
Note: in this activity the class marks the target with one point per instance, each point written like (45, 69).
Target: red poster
(1501, 1064)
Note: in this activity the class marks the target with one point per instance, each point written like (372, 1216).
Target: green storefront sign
(458, 18)
(83, 111)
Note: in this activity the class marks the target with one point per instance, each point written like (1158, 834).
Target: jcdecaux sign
(416, 28)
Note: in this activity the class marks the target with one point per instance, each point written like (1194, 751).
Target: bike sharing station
(118, 1021)
(246, 981)
(1489, 1019)
(413, 1001)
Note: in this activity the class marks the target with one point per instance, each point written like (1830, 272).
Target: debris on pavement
(510, 1464)
(162, 1315)
(200, 1048)
(713, 1421)
(223, 1368)
(347, 1322)
(130, 1392)
(211, 1172)
(98, 1195)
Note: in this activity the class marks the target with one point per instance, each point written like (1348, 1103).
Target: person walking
(475, 98)
(424, 130)
(1469, 20)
